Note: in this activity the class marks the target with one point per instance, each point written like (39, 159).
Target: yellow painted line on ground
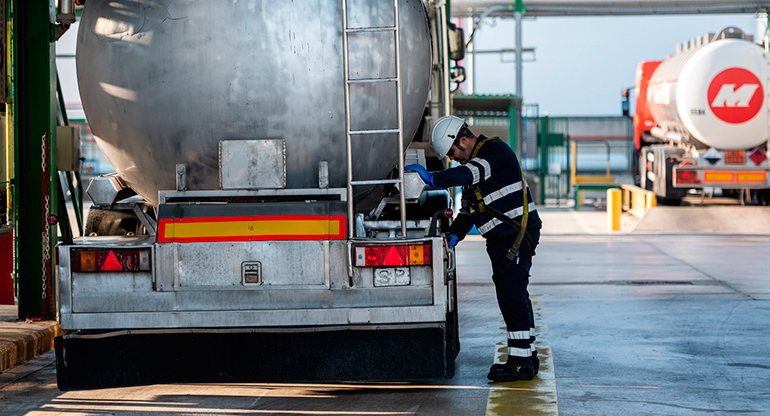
(534, 397)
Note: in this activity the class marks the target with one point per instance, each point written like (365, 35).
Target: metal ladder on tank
(349, 133)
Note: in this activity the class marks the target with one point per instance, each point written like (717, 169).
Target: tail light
(393, 255)
(128, 260)
(687, 176)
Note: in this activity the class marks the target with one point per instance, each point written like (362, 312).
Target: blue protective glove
(426, 176)
(452, 240)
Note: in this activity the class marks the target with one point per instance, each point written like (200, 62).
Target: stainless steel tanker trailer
(260, 226)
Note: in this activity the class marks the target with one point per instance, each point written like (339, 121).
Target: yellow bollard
(614, 208)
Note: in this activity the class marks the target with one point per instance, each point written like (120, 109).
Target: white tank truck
(702, 118)
(259, 225)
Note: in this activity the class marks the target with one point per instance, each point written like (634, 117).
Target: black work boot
(513, 370)
(535, 364)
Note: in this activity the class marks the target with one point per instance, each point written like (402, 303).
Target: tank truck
(701, 118)
(259, 225)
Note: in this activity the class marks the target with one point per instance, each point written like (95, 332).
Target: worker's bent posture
(493, 198)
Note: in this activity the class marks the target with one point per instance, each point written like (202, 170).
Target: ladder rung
(371, 80)
(374, 131)
(375, 182)
(370, 29)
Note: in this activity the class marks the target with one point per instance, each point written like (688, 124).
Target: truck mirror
(457, 74)
(625, 103)
(456, 41)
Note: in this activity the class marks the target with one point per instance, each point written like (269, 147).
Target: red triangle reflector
(111, 264)
(393, 258)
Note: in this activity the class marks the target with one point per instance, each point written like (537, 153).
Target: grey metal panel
(163, 82)
(275, 318)
(252, 164)
(229, 301)
(338, 265)
(284, 263)
(614, 7)
(440, 294)
(121, 282)
(165, 267)
(63, 284)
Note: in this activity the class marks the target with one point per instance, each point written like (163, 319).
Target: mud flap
(345, 355)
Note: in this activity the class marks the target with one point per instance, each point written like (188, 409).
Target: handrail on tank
(346, 31)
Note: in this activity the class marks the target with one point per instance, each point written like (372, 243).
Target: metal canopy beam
(608, 8)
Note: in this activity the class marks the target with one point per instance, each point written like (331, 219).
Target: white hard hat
(444, 134)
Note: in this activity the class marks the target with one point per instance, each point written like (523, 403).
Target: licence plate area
(392, 276)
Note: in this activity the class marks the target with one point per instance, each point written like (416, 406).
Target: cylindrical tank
(717, 93)
(162, 82)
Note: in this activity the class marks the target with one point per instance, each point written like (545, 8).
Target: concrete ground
(667, 316)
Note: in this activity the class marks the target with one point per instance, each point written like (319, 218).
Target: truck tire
(113, 222)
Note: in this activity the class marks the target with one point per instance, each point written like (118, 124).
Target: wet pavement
(636, 322)
(673, 325)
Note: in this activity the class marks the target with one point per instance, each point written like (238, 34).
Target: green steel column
(34, 121)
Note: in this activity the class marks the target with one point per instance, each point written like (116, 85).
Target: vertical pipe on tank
(348, 144)
(447, 95)
(400, 112)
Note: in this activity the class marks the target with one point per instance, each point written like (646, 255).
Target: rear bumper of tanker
(206, 285)
(193, 316)
(699, 177)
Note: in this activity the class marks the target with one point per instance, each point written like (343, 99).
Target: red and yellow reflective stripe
(256, 228)
(718, 176)
(752, 177)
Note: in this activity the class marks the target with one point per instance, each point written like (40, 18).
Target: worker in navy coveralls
(490, 172)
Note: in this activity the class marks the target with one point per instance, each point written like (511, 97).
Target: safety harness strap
(513, 252)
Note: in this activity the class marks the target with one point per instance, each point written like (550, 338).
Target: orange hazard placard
(253, 228)
(735, 157)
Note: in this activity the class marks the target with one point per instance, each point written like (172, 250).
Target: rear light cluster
(687, 177)
(129, 260)
(393, 255)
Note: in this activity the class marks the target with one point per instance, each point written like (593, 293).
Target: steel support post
(34, 174)
(519, 14)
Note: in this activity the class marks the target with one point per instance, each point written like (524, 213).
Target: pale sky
(581, 63)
